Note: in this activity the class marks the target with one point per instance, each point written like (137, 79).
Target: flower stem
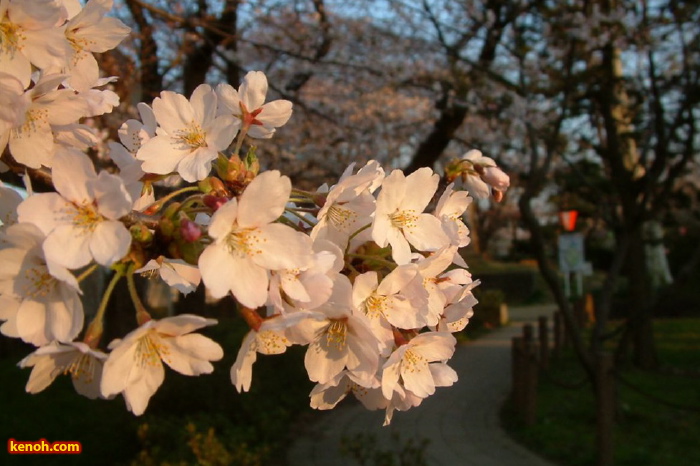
(142, 315)
(239, 140)
(296, 213)
(87, 272)
(252, 318)
(191, 200)
(160, 202)
(358, 232)
(305, 194)
(351, 237)
(94, 330)
(400, 337)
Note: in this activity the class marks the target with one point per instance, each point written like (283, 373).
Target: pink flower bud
(495, 177)
(190, 231)
(214, 202)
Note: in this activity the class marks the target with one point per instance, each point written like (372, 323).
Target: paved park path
(460, 422)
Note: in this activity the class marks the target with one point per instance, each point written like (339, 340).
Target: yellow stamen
(33, 120)
(192, 137)
(150, 274)
(337, 333)
(271, 342)
(411, 359)
(82, 367)
(83, 216)
(340, 217)
(150, 350)
(11, 36)
(375, 305)
(405, 219)
(244, 242)
(39, 282)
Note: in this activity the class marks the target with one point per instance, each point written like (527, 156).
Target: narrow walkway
(460, 422)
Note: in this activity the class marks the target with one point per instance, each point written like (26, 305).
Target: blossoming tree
(366, 273)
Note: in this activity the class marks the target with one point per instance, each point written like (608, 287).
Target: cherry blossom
(80, 220)
(132, 135)
(459, 309)
(259, 119)
(248, 244)
(398, 301)
(341, 340)
(483, 175)
(349, 205)
(399, 220)
(271, 337)
(175, 272)
(90, 31)
(135, 365)
(430, 270)
(306, 288)
(449, 210)
(12, 104)
(189, 137)
(28, 36)
(45, 106)
(83, 363)
(328, 395)
(41, 300)
(417, 365)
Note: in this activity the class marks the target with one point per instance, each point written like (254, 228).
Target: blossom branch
(96, 327)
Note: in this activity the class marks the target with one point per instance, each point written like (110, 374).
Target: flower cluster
(366, 273)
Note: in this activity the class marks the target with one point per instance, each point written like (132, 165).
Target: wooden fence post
(580, 312)
(558, 334)
(517, 373)
(543, 334)
(529, 376)
(605, 391)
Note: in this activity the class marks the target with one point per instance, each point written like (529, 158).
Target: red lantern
(567, 218)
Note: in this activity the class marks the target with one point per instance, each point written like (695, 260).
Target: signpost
(571, 253)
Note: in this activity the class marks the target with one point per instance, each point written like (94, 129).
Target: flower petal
(242, 369)
(109, 242)
(113, 200)
(182, 324)
(190, 354)
(215, 265)
(68, 246)
(253, 90)
(283, 248)
(71, 172)
(160, 156)
(138, 394)
(275, 113)
(264, 199)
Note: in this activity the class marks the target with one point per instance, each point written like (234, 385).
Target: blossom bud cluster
(479, 174)
(366, 273)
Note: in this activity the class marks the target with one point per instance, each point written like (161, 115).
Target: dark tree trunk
(200, 57)
(452, 114)
(640, 322)
(552, 280)
(151, 78)
(443, 131)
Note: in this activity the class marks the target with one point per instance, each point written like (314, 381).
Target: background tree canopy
(603, 92)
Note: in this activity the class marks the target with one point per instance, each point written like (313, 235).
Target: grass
(190, 420)
(650, 431)
(103, 427)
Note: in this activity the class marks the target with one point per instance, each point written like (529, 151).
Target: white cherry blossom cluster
(366, 273)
